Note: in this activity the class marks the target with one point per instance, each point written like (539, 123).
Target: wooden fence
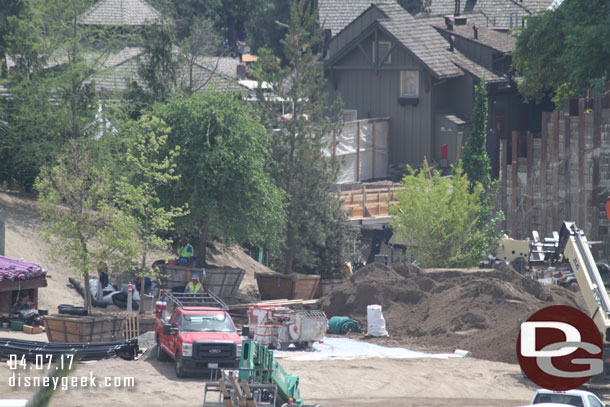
(561, 174)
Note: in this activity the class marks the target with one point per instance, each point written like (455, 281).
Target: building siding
(375, 94)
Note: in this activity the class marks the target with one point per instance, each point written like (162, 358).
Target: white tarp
(345, 348)
(371, 136)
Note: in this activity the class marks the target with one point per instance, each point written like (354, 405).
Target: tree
(147, 170)
(223, 149)
(438, 218)
(297, 163)
(79, 215)
(475, 160)
(564, 52)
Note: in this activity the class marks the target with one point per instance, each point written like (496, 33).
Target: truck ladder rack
(202, 299)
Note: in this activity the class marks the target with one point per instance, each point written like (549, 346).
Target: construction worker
(194, 286)
(185, 252)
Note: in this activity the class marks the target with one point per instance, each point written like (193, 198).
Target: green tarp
(342, 325)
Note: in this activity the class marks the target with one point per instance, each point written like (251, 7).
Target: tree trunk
(290, 251)
(143, 281)
(87, 291)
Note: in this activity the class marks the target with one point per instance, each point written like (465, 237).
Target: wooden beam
(543, 171)
(368, 58)
(387, 54)
(515, 183)
(581, 164)
(23, 284)
(358, 151)
(566, 165)
(555, 168)
(597, 142)
(530, 181)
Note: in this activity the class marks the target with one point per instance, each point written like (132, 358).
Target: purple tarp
(13, 270)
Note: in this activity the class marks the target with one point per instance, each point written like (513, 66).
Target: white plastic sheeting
(371, 138)
(345, 348)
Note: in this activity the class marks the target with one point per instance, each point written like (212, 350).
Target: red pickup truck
(198, 338)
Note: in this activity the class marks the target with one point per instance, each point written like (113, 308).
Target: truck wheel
(284, 345)
(161, 355)
(179, 366)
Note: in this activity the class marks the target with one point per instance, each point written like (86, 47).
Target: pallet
(132, 326)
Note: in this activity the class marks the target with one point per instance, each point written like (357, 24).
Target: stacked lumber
(283, 303)
(368, 202)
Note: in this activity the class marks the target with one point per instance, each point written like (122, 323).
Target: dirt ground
(330, 383)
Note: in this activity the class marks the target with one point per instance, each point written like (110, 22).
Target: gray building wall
(375, 94)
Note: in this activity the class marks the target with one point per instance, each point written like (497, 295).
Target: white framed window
(409, 84)
(350, 115)
(384, 48)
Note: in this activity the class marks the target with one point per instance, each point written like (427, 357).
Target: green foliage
(475, 160)
(564, 52)
(438, 217)
(147, 169)
(158, 65)
(223, 149)
(79, 215)
(317, 235)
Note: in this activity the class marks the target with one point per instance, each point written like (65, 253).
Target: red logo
(560, 348)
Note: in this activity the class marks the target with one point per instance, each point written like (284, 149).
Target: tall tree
(564, 52)
(76, 200)
(223, 148)
(475, 160)
(298, 164)
(148, 168)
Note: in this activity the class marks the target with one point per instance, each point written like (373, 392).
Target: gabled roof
(335, 15)
(121, 68)
(499, 13)
(420, 38)
(491, 38)
(120, 13)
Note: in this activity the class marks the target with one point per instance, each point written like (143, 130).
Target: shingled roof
(499, 13)
(419, 37)
(120, 13)
(335, 15)
(498, 41)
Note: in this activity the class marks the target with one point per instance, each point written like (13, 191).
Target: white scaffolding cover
(371, 136)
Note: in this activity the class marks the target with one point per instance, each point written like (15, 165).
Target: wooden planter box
(79, 329)
(222, 281)
(291, 287)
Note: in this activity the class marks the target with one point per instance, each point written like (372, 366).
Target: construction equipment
(260, 381)
(278, 326)
(571, 245)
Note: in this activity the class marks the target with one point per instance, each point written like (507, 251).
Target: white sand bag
(375, 321)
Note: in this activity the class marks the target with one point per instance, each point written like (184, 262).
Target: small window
(350, 115)
(409, 84)
(384, 48)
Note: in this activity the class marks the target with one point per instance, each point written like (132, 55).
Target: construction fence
(561, 174)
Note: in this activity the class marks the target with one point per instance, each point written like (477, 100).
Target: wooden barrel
(79, 329)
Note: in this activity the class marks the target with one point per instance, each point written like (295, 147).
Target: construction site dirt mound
(479, 310)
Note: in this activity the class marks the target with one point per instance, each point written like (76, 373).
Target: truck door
(173, 339)
(168, 341)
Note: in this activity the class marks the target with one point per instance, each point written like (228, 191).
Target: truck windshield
(558, 398)
(206, 323)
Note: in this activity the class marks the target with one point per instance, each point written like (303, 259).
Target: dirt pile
(477, 310)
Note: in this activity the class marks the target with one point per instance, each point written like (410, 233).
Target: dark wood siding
(375, 94)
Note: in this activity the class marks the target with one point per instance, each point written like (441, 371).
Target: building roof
(121, 68)
(335, 15)
(499, 41)
(418, 36)
(120, 13)
(499, 13)
(475, 69)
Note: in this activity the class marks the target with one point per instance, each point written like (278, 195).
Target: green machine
(257, 364)
(260, 381)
